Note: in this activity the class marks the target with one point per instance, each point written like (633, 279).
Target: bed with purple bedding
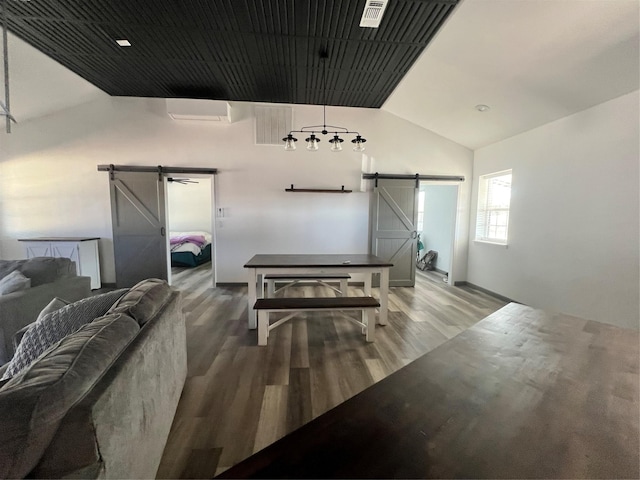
(190, 249)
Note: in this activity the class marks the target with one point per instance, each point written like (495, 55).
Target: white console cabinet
(83, 251)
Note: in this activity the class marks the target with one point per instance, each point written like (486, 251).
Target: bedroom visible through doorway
(190, 224)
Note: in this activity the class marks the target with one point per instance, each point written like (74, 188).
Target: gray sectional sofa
(100, 402)
(50, 277)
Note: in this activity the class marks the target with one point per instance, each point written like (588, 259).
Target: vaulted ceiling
(531, 61)
(242, 50)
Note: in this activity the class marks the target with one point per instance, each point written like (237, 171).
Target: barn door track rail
(417, 177)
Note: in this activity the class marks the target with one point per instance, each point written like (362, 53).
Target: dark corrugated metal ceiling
(242, 50)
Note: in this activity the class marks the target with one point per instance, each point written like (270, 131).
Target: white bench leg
(371, 324)
(263, 327)
(271, 288)
(344, 285)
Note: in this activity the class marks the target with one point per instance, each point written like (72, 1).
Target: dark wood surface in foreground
(522, 394)
(239, 397)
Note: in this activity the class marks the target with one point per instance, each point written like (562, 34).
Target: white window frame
(492, 214)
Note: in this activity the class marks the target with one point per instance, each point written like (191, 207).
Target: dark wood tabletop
(317, 260)
(522, 394)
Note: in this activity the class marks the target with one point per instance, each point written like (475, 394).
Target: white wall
(574, 220)
(189, 204)
(439, 222)
(49, 184)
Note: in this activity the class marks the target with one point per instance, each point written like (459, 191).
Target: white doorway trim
(455, 234)
(212, 220)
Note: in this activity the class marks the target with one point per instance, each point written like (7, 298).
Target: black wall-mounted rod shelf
(317, 190)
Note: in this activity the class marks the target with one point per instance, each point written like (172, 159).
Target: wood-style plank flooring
(239, 397)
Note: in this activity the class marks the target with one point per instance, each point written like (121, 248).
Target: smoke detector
(372, 14)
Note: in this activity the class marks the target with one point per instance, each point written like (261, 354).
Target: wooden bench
(265, 306)
(293, 278)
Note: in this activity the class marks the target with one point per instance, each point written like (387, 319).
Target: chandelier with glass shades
(312, 140)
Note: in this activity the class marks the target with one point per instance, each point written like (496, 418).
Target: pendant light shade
(312, 143)
(289, 143)
(358, 143)
(336, 144)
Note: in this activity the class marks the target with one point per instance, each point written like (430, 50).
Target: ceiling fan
(182, 181)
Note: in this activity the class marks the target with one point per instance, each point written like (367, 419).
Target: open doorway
(436, 225)
(139, 218)
(191, 239)
(399, 212)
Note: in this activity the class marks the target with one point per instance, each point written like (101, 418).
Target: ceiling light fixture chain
(324, 88)
(324, 129)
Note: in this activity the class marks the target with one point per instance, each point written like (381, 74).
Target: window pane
(494, 199)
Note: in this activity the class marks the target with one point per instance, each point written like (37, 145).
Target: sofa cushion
(34, 402)
(53, 326)
(40, 270)
(144, 300)
(55, 304)
(52, 306)
(14, 282)
(8, 266)
(43, 270)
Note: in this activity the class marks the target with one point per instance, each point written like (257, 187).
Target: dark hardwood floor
(239, 398)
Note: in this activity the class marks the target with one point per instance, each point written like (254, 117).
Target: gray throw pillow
(56, 325)
(55, 304)
(14, 282)
(52, 306)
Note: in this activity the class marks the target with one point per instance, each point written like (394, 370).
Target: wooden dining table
(266, 264)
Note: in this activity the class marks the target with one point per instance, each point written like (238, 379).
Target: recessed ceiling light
(482, 108)
(124, 42)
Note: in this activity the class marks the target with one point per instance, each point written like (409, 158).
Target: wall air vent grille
(372, 14)
(272, 124)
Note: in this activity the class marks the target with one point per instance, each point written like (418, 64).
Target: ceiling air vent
(373, 11)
